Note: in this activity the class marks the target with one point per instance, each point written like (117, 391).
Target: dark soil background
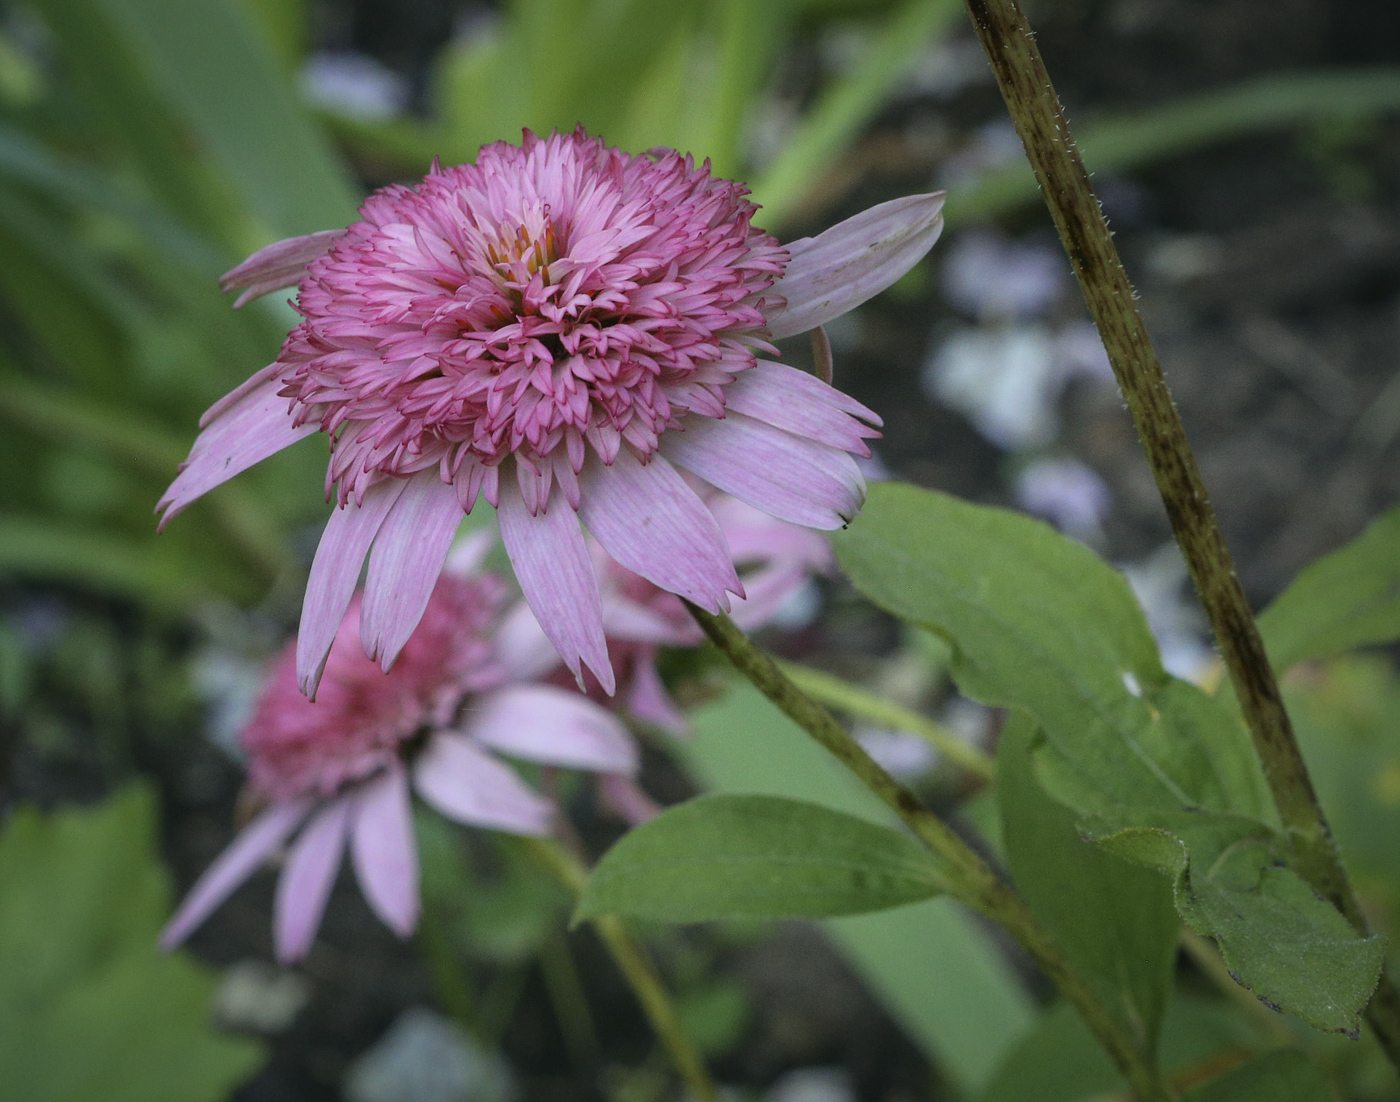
(1281, 347)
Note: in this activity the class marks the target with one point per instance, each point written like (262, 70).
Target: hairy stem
(633, 962)
(1040, 121)
(970, 880)
(855, 701)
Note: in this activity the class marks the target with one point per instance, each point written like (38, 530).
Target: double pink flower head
(583, 338)
(563, 329)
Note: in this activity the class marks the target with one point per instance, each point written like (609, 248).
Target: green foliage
(1151, 767)
(932, 964)
(1282, 1076)
(88, 1009)
(1114, 919)
(756, 857)
(1348, 599)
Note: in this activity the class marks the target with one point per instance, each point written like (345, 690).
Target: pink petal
(626, 800)
(786, 476)
(797, 402)
(307, 879)
(854, 261)
(522, 647)
(648, 699)
(633, 622)
(555, 726)
(651, 522)
(277, 265)
(556, 575)
(334, 572)
(769, 590)
(404, 565)
(467, 784)
(245, 431)
(383, 852)
(238, 862)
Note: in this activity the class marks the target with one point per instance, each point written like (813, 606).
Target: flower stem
(970, 880)
(1040, 121)
(855, 701)
(631, 959)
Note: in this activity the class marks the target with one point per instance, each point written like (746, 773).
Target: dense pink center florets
(551, 297)
(362, 716)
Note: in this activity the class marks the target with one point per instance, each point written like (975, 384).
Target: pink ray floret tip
(561, 328)
(337, 774)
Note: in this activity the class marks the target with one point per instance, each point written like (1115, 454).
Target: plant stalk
(632, 961)
(970, 880)
(1040, 121)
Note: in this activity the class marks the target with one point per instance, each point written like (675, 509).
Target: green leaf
(89, 1011)
(1116, 920)
(1040, 622)
(932, 964)
(1282, 1076)
(1059, 1061)
(1158, 772)
(216, 72)
(757, 857)
(1348, 599)
(848, 105)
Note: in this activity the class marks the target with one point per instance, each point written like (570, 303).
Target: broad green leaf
(1347, 716)
(1040, 622)
(1115, 919)
(1285, 1075)
(89, 1010)
(1152, 767)
(1059, 1061)
(1348, 599)
(933, 965)
(719, 857)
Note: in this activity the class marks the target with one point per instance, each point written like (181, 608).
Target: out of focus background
(1247, 153)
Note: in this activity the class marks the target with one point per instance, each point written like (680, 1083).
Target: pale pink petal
(768, 590)
(632, 622)
(755, 537)
(404, 565)
(786, 476)
(255, 842)
(246, 431)
(555, 726)
(648, 699)
(626, 800)
(522, 647)
(277, 265)
(334, 572)
(465, 783)
(383, 851)
(651, 522)
(853, 261)
(802, 404)
(556, 575)
(307, 879)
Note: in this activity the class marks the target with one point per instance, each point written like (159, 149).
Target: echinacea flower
(562, 328)
(339, 771)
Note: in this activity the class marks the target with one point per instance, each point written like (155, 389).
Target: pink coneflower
(558, 327)
(340, 769)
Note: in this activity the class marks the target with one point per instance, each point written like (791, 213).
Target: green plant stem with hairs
(632, 961)
(969, 879)
(1040, 121)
